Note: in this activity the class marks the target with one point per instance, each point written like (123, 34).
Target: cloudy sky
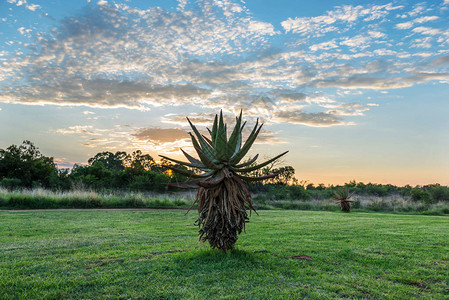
(356, 90)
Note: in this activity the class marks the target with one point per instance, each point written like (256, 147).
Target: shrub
(11, 183)
(356, 204)
(419, 195)
(439, 193)
(378, 205)
(298, 192)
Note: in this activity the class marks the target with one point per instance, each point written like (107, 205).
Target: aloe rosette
(223, 197)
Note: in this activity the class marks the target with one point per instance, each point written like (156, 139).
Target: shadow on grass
(215, 255)
(213, 258)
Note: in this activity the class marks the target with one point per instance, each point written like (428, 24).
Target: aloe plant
(342, 196)
(223, 197)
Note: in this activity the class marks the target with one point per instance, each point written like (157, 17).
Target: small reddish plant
(342, 196)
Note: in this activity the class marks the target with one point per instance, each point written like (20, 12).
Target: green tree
(142, 161)
(438, 192)
(285, 175)
(94, 176)
(27, 164)
(111, 161)
(420, 195)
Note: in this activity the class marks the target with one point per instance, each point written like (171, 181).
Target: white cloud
(426, 30)
(385, 52)
(420, 20)
(347, 14)
(105, 93)
(24, 31)
(295, 116)
(347, 109)
(426, 19)
(215, 54)
(324, 46)
(262, 28)
(379, 83)
(405, 25)
(358, 41)
(78, 65)
(31, 7)
(425, 43)
(160, 135)
(182, 4)
(419, 9)
(128, 138)
(77, 129)
(376, 34)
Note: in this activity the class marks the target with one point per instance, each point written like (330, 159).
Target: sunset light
(354, 91)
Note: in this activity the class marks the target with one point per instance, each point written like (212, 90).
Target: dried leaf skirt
(223, 212)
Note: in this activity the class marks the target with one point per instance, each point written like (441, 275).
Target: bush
(259, 199)
(378, 205)
(356, 204)
(439, 193)
(11, 183)
(419, 195)
(298, 192)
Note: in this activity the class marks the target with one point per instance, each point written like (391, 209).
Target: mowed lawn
(156, 254)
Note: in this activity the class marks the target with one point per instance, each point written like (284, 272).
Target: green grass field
(156, 254)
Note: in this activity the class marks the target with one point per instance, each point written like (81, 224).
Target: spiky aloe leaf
(221, 143)
(212, 182)
(248, 162)
(243, 126)
(183, 163)
(250, 169)
(182, 185)
(213, 133)
(343, 194)
(188, 173)
(208, 163)
(192, 159)
(205, 147)
(220, 124)
(238, 145)
(249, 179)
(208, 140)
(249, 142)
(207, 160)
(234, 138)
(211, 136)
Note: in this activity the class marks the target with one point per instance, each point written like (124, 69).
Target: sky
(355, 90)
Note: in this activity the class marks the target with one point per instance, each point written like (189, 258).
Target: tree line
(24, 166)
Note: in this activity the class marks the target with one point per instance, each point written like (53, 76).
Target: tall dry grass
(77, 198)
(391, 203)
(84, 198)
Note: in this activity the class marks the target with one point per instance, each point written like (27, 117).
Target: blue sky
(354, 89)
